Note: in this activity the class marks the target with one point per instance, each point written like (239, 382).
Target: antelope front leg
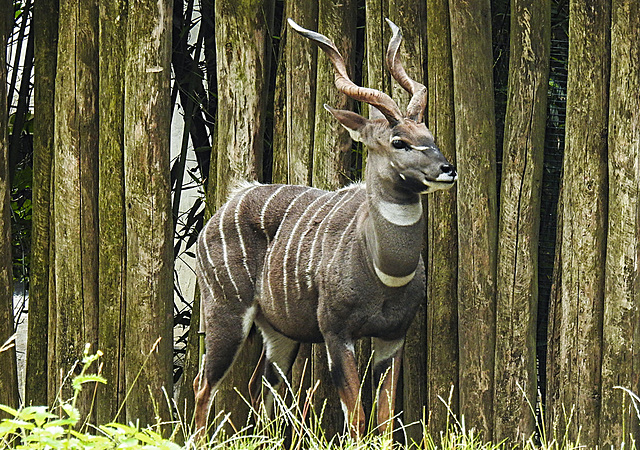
(344, 373)
(387, 358)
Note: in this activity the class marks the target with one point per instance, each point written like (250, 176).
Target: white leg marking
(383, 350)
(247, 319)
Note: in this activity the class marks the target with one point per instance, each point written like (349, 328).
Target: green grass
(296, 425)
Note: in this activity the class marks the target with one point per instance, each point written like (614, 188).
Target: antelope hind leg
(275, 362)
(226, 331)
(344, 373)
(387, 357)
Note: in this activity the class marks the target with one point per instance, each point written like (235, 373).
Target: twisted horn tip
(395, 29)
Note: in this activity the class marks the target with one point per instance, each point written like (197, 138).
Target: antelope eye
(399, 144)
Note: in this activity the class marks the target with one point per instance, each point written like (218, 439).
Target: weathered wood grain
(111, 208)
(75, 191)
(442, 232)
(584, 227)
(477, 207)
(621, 329)
(149, 234)
(517, 280)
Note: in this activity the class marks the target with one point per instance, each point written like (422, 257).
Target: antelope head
(403, 156)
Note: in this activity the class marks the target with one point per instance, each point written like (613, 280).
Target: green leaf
(82, 379)
(9, 410)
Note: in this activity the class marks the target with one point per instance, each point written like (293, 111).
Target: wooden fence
(474, 343)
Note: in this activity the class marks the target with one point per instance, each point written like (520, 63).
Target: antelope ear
(354, 123)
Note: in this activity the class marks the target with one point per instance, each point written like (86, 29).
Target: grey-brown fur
(307, 265)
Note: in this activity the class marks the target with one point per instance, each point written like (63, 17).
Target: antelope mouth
(442, 182)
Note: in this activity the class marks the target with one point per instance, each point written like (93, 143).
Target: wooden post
(75, 190)
(477, 207)
(413, 54)
(45, 19)
(621, 333)
(149, 247)
(517, 292)
(442, 231)
(579, 309)
(243, 58)
(111, 208)
(9, 376)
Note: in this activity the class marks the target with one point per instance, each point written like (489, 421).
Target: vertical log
(45, 19)
(242, 47)
(9, 376)
(149, 246)
(332, 144)
(621, 333)
(111, 207)
(377, 75)
(331, 149)
(292, 158)
(477, 208)
(584, 230)
(75, 189)
(242, 41)
(442, 232)
(517, 281)
(294, 122)
(413, 55)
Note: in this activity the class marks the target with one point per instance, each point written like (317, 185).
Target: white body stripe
(268, 262)
(325, 222)
(264, 209)
(336, 250)
(225, 254)
(236, 219)
(300, 241)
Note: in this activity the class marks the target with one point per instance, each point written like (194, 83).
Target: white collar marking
(401, 215)
(391, 281)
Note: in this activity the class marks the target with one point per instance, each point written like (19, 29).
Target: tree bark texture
(331, 154)
(111, 208)
(149, 233)
(293, 133)
(476, 207)
(621, 330)
(332, 144)
(45, 17)
(242, 47)
(9, 374)
(413, 54)
(243, 39)
(584, 216)
(517, 273)
(75, 191)
(442, 232)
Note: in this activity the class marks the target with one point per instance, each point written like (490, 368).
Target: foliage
(38, 427)
(296, 424)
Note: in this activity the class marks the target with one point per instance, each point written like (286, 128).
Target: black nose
(448, 169)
